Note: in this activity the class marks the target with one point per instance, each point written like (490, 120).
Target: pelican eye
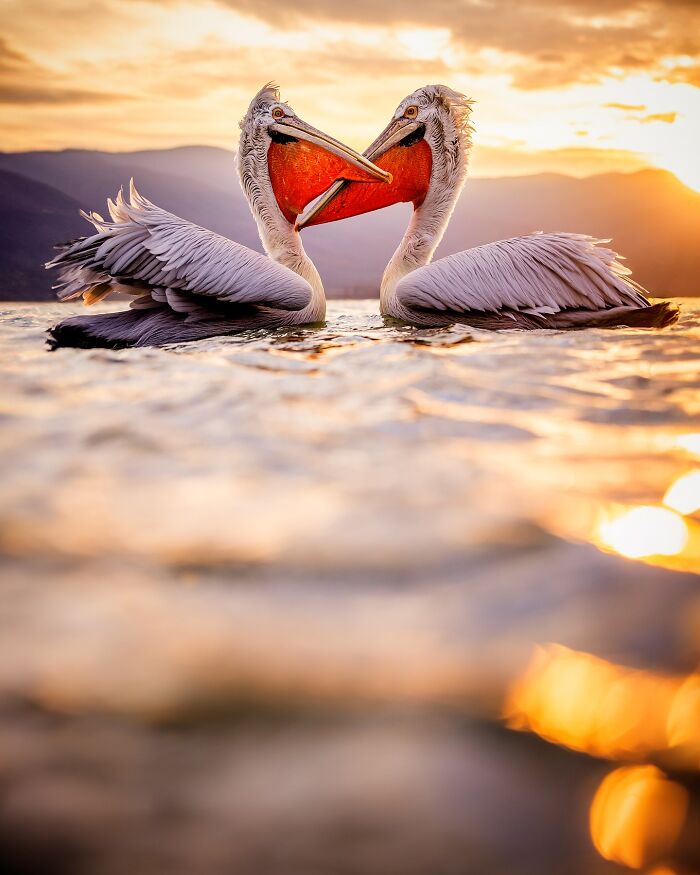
(277, 113)
(411, 112)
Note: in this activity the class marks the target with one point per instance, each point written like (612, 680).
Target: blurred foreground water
(362, 599)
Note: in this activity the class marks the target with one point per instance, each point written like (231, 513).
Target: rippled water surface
(356, 599)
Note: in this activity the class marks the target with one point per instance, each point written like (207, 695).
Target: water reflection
(652, 532)
(248, 536)
(639, 816)
(591, 705)
(643, 531)
(683, 724)
(587, 704)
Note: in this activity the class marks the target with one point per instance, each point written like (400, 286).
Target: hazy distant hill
(33, 216)
(653, 218)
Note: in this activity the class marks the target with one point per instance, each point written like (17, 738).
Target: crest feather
(269, 93)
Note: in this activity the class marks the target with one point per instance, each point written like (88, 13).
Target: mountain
(653, 219)
(33, 216)
(199, 183)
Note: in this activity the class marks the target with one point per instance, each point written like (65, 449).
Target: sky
(572, 86)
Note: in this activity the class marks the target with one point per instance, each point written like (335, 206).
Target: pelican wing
(538, 274)
(165, 260)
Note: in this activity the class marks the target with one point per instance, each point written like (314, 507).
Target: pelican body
(539, 280)
(189, 283)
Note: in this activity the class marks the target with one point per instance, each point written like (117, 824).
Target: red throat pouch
(300, 171)
(410, 167)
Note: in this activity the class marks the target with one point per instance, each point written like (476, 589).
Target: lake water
(357, 599)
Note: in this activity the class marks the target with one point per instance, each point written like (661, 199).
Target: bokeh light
(642, 531)
(588, 704)
(637, 816)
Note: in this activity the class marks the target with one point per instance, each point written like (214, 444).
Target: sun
(676, 146)
(688, 174)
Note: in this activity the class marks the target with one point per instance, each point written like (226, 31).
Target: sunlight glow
(687, 171)
(425, 44)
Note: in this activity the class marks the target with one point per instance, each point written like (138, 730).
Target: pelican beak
(320, 204)
(299, 130)
(302, 162)
(410, 169)
(394, 133)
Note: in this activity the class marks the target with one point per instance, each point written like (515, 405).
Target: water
(357, 599)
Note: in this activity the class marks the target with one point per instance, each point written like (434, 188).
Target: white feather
(148, 245)
(538, 273)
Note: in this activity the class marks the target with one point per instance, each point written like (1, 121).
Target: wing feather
(537, 273)
(144, 248)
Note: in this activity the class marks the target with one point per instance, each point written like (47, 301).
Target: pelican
(188, 283)
(536, 281)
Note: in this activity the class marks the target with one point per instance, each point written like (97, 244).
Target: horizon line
(474, 175)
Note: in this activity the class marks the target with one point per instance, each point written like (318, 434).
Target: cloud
(685, 73)
(50, 94)
(559, 42)
(635, 112)
(24, 82)
(213, 65)
(11, 61)
(666, 117)
(626, 107)
(190, 66)
(571, 161)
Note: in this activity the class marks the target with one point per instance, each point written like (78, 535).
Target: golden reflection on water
(653, 531)
(584, 703)
(643, 531)
(683, 724)
(294, 496)
(587, 704)
(637, 816)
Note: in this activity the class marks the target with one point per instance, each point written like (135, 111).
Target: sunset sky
(576, 86)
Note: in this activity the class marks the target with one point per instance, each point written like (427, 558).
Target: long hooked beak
(301, 131)
(396, 131)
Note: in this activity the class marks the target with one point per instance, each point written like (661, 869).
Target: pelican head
(279, 153)
(426, 148)
(435, 113)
